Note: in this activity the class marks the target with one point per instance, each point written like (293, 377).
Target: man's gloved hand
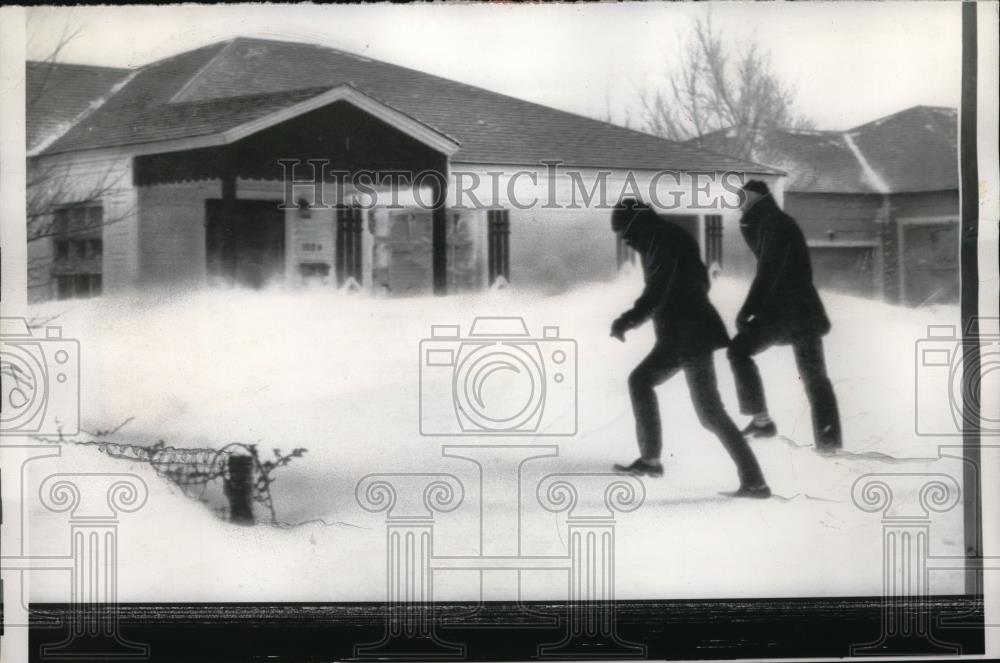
(618, 329)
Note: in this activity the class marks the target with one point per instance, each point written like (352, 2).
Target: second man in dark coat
(781, 308)
(688, 330)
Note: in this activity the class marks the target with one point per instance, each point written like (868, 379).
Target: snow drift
(340, 375)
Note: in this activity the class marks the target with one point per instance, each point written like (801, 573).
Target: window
(348, 244)
(713, 239)
(498, 244)
(78, 250)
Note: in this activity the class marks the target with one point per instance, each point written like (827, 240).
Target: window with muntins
(78, 250)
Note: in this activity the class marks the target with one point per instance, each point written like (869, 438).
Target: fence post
(239, 489)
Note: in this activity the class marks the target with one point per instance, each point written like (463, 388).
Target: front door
(409, 245)
(249, 248)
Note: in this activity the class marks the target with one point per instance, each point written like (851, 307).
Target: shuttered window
(713, 239)
(349, 244)
(498, 245)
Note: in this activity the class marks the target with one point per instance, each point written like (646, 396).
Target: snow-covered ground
(339, 375)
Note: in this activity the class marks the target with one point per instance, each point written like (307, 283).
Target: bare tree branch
(68, 34)
(717, 85)
(609, 115)
(54, 183)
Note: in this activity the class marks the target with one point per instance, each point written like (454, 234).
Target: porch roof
(195, 124)
(212, 89)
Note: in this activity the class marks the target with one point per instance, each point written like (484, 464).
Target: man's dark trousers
(809, 359)
(657, 368)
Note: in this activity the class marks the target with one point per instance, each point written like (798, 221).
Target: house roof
(816, 161)
(58, 93)
(913, 150)
(208, 90)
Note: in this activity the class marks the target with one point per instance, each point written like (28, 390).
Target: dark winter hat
(625, 213)
(757, 187)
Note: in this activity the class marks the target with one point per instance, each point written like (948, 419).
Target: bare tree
(68, 34)
(717, 85)
(609, 114)
(51, 182)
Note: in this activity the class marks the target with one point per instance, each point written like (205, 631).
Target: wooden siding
(172, 234)
(847, 216)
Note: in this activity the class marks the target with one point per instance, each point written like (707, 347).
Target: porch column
(227, 252)
(439, 230)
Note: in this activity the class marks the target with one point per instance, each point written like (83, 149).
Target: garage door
(929, 255)
(846, 269)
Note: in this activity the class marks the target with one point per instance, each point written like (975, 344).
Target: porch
(337, 191)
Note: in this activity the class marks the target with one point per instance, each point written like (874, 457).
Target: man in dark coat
(782, 308)
(688, 330)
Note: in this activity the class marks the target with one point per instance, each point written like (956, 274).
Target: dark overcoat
(675, 295)
(782, 303)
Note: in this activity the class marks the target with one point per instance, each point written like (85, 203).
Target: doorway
(402, 253)
(247, 249)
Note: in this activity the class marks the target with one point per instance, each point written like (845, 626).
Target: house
(878, 203)
(255, 162)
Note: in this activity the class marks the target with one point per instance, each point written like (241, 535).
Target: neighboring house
(878, 203)
(170, 176)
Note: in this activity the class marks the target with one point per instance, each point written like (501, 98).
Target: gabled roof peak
(906, 111)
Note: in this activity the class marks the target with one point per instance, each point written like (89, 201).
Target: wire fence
(244, 476)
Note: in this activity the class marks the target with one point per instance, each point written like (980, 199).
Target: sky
(849, 62)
